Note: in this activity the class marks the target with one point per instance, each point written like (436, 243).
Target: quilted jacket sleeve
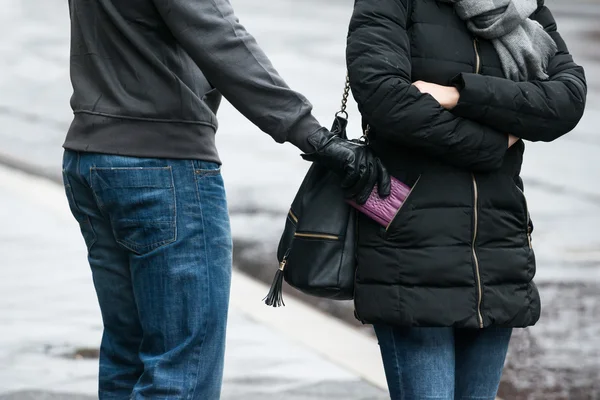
(379, 66)
(536, 110)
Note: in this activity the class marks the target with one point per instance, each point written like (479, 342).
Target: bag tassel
(275, 296)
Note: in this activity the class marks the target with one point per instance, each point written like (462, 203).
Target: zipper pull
(365, 136)
(282, 265)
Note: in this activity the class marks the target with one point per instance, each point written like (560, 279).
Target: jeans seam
(141, 249)
(192, 391)
(397, 362)
(81, 218)
(98, 202)
(174, 204)
(476, 398)
(94, 235)
(78, 165)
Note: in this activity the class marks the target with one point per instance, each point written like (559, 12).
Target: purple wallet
(381, 210)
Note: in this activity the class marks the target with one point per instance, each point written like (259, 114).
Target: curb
(16, 164)
(341, 344)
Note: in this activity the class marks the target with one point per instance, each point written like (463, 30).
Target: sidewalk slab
(39, 395)
(48, 310)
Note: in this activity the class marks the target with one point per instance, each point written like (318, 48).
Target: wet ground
(557, 359)
(50, 323)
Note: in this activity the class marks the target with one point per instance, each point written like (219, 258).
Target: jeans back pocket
(141, 205)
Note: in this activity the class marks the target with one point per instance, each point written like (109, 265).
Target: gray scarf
(522, 44)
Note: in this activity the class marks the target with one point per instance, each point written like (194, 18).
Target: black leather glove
(353, 161)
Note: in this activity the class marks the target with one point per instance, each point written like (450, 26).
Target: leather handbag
(317, 249)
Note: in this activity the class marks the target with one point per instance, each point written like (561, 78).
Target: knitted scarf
(522, 44)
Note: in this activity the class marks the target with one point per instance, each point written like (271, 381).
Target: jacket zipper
(316, 236)
(477, 273)
(476, 214)
(528, 219)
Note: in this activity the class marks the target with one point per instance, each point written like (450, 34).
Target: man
(141, 174)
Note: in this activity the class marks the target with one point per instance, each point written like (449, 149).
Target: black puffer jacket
(459, 251)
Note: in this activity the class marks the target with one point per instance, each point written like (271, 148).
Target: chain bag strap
(344, 113)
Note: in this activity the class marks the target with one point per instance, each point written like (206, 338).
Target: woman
(443, 87)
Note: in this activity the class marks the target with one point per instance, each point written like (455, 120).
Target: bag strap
(345, 96)
(344, 113)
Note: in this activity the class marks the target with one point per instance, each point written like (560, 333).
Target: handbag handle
(345, 98)
(364, 138)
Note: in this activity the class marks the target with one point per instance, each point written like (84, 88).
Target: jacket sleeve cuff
(474, 95)
(301, 131)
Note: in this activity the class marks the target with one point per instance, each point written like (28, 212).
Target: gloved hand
(353, 161)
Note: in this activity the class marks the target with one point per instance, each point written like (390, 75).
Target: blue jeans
(443, 363)
(159, 246)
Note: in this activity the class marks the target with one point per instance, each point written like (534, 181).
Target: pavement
(555, 360)
(51, 326)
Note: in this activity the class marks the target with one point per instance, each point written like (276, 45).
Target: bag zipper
(293, 216)
(476, 213)
(282, 263)
(316, 236)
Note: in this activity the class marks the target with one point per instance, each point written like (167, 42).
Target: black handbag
(317, 250)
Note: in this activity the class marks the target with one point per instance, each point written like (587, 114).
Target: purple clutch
(381, 210)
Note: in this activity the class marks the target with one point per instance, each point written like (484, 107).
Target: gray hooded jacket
(148, 76)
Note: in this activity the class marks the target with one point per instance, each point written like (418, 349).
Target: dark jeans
(159, 246)
(443, 363)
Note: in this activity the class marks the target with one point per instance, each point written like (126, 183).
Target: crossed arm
(466, 125)
(535, 110)
(448, 97)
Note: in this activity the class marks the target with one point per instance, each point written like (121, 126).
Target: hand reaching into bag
(354, 162)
